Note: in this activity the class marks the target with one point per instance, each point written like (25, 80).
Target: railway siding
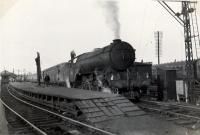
(180, 114)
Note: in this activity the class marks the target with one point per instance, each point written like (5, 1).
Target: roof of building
(7, 73)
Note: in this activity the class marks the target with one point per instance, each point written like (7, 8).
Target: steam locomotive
(107, 69)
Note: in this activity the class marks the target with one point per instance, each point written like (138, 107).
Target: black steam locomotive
(107, 69)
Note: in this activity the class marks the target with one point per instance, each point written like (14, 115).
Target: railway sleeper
(181, 116)
(45, 122)
(185, 121)
(35, 120)
(20, 126)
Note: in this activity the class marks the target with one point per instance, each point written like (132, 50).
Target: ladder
(195, 29)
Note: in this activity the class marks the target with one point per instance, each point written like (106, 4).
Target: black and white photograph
(99, 67)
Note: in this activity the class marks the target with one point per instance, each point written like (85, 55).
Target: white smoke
(112, 16)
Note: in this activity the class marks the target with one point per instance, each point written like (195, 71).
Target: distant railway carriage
(58, 74)
(31, 77)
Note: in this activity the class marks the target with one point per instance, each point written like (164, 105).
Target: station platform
(96, 106)
(71, 93)
(111, 112)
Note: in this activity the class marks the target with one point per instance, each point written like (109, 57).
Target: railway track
(33, 119)
(184, 115)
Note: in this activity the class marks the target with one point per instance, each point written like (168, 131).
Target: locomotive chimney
(116, 40)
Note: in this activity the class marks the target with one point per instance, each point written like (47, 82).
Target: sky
(56, 27)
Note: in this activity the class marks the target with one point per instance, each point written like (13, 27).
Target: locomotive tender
(106, 69)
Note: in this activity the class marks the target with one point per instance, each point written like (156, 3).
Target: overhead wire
(173, 14)
(170, 13)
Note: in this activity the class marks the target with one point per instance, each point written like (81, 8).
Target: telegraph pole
(158, 48)
(158, 41)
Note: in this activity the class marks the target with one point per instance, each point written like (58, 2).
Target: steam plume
(112, 16)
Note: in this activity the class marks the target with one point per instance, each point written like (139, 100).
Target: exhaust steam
(111, 10)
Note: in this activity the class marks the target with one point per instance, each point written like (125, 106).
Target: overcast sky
(55, 27)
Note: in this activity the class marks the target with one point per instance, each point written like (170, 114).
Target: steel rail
(174, 113)
(64, 117)
(191, 107)
(32, 125)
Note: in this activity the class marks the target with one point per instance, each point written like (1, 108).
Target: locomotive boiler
(118, 56)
